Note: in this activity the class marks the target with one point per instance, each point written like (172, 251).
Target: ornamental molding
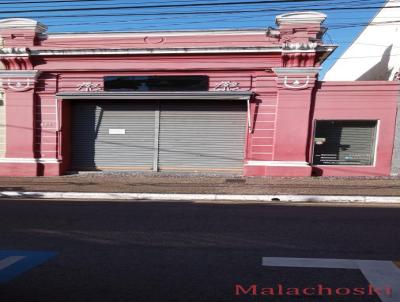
(19, 85)
(16, 58)
(296, 78)
(298, 83)
(32, 74)
(19, 81)
(299, 71)
(299, 47)
(14, 51)
(152, 51)
(89, 87)
(227, 86)
(17, 63)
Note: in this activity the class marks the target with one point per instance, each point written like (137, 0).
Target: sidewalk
(191, 184)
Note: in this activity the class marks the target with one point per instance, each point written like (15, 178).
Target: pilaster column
(20, 112)
(295, 94)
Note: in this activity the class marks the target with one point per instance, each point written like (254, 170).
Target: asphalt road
(183, 252)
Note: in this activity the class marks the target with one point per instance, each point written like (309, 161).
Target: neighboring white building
(375, 54)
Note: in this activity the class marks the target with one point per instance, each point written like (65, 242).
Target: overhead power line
(219, 12)
(155, 6)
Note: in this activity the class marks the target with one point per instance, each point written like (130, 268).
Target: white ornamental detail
(299, 46)
(19, 85)
(296, 83)
(227, 86)
(88, 87)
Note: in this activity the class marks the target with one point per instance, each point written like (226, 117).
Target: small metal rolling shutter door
(95, 147)
(345, 143)
(202, 135)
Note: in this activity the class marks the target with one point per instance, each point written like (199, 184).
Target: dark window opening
(344, 143)
(156, 83)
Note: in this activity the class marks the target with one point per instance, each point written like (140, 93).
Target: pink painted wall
(287, 96)
(372, 100)
(155, 40)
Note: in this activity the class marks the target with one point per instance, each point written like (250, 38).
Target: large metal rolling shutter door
(202, 135)
(113, 135)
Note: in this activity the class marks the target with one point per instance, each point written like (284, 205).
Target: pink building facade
(98, 101)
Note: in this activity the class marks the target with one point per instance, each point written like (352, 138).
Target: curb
(203, 197)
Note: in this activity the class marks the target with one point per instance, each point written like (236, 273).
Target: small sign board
(116, 131)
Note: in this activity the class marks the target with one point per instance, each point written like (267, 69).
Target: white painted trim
(29, 160)
(31, 74)
(296, 70)
(138, 51)
(307, 17)
(14, 52)
(277, 163)
(153, 95)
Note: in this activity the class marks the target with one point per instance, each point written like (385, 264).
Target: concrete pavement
(213, 188)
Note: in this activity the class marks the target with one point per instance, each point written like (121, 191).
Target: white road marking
(380, 274)
(6, 262)
(309, 262)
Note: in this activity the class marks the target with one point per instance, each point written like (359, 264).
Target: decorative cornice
(299, 47)
(14, 52)
(152, 51)
(16, 58)
(32, 74)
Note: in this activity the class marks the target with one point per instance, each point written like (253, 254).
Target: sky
(346, 19)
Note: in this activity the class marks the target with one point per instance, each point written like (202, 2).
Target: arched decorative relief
(296, 83)
(296, 78)
(19, 85)
(19, 80)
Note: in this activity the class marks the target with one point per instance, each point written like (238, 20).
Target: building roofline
(157, 33)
